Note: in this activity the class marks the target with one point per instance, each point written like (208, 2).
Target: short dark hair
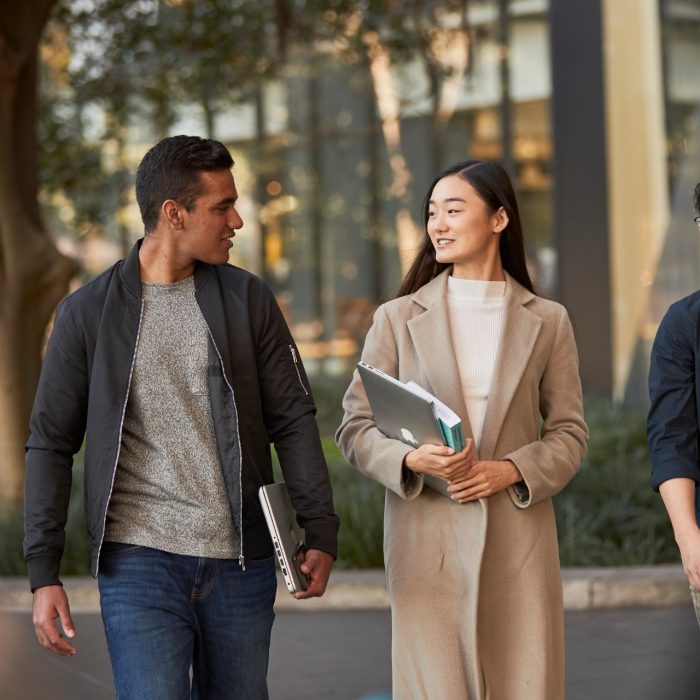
(170, 170)
(696, 198)
(492, 184)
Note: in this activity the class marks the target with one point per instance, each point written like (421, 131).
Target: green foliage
(328, 394)
(72, 166)
(76, 557)
(359, 502)
(609, 514)
(113, 67)
(170, 54)
(119, 71)
(11, 560)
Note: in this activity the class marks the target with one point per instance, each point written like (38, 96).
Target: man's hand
(484, 478)
(440, 461)
(51, 604)
(317, 566)
(689, 544)
(679, 498)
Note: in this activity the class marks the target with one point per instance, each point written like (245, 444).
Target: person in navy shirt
(673, 424)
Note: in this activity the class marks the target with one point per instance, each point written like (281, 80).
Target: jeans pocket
(112, 550)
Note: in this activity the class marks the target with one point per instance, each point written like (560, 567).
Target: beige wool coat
(475, 588)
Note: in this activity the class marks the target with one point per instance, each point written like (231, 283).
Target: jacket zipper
(119, 442)
(296, 367)
(241, 557)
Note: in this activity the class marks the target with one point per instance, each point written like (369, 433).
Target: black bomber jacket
(258, 389)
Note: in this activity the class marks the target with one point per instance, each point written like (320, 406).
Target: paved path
(583, 589)
(626, 654)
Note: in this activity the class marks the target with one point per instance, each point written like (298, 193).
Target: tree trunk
(388, 105)
(34, 276)
(445, 54)
(205, 100)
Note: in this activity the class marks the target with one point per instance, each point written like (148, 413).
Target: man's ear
(172, 212)
(500, 220)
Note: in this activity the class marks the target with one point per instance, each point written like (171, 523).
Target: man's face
(209, 228)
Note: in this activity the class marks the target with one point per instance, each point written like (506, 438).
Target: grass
(607, 516)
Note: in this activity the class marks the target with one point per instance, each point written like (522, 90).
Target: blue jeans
(165, 614)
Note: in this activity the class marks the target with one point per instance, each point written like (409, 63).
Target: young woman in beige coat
(474, 580)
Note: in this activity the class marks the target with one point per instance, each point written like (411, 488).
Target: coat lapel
(518, 335)
(432, 338)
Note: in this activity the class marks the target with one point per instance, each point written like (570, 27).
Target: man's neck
(161, 262)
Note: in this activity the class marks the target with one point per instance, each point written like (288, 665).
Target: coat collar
(131, 272)
(432, 338)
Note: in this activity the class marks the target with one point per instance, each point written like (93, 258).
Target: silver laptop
(287, 536)
(401, 414)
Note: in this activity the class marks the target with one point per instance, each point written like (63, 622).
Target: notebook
(403, 413)
(287, 536)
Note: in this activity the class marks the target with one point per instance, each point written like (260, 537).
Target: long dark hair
(493, 185)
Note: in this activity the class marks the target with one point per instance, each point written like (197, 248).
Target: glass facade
(333, 157)
(677, 272)
(344, 146)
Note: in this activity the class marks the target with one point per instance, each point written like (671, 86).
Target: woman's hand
(484, 479)
(440, 461)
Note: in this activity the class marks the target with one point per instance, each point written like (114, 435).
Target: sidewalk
(618, 654)
(584, 589)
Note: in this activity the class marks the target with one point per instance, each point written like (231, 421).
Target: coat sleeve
(57, 429)
(289, 413)
(364, 446)
(548, 464)
(672, 425)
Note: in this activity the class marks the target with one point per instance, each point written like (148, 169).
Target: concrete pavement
(630, 634)
(612, 654)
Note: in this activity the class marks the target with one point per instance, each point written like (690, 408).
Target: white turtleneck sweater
(476, 312)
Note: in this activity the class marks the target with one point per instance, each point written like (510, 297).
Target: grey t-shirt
(169, 490)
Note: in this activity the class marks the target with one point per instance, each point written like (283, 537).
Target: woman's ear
(500, 220)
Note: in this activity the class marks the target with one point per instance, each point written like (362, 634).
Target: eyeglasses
(697, 221)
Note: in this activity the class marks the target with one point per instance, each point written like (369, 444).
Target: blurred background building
(593, 107)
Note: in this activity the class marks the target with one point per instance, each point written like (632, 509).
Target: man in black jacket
(673, 425)
(178, 370)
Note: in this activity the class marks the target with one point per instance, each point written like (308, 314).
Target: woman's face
(461, 227)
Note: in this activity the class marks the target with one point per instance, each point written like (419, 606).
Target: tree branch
(21, 26)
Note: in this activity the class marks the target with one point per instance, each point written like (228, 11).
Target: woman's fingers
(484, 479)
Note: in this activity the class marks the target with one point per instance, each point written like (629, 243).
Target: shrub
(607, 516)
(359, 502)
(11, 533)
(76, 557)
